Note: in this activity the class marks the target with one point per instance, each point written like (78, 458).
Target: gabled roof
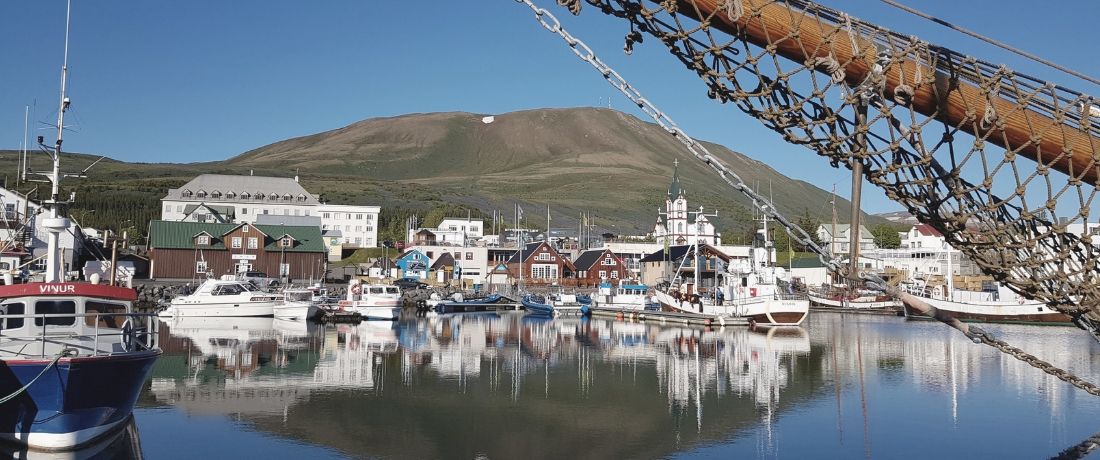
(180, 235)
(444, 260)
(412, 252)
(383, 263)
(842, 228)
(254, 185)
(589, 258)
(257, 227)
(528, 249)
(926, 230)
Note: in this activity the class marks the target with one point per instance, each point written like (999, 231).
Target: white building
(839, 245)
(452, 231)
(677, 224)
(242, 199)
(473, 261)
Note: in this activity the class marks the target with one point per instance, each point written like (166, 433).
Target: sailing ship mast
(55, 224)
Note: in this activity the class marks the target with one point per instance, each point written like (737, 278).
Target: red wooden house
(599, 265)
(542, 264)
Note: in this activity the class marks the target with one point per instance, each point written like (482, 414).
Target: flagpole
(547, 222)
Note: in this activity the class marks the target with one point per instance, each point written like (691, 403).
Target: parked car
(408, 284)
(260, 279)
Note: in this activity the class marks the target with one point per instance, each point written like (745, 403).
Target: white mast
(22, 176)
(56, 224)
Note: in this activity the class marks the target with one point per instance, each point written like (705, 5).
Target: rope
(991, 41)
(62, 354)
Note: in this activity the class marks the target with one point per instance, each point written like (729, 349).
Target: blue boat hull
(75, 402)
(537, 308)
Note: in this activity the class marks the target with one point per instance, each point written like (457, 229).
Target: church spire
(674, 188)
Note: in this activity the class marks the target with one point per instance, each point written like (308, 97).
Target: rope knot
(574, 6)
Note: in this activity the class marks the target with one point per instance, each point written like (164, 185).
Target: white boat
(749, 289)
(993, 306)
(858, 300)
(298, 304)
(224, 297)
(629, 295)
(373, 301)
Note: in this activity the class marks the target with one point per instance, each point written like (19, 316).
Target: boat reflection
(121, 444)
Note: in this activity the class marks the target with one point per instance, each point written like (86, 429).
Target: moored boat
(852, 300)
(462, 305)
(628, 295)
(372, 301)
(226, 296)
(993, 306)
(298, 304)
(537, 305)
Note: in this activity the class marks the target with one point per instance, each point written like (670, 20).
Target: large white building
(21, 224)
(242, 199)
(452, 231)
(678, 224)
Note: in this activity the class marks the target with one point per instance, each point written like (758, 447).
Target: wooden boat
(856, 300)
(999, 306)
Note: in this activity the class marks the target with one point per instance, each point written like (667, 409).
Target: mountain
(608, 163)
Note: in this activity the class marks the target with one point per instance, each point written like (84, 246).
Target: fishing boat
(567, 302)
(74, 355)
(537, 305)
(298, 304)
(997, 304)
(372, 301)
(628, 295)
(755, 290)
(225, 296)
(858, 300)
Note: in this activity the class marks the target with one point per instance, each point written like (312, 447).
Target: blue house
(413, 264)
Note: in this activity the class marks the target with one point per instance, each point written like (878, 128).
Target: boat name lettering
(57, 289)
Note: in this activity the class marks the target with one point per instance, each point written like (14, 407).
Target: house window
(244, 229)
(430, 254)
(244, 211)
(253, 242)
(186, 193)
(201, 194)
(326, 215)
(359, 217)
(260, 196)
(179, 208)
(358, 240)
(608, 261)
(284, 269)
(230, 195)
(167, 208)
(203, 240)
(469, 256)
(370, 217)
(286, 212)
(614, 274)
(297, 212)
(216, 194)
(246, 195)
(265, 212)
(358, 228)
(603, 274)
(473, 228)
(544, 271)
(543, 256)
(200, 266)
(286, 197)
(301, 197)
(287, 242)
(370, 228)
(236, 242)
(274, 196)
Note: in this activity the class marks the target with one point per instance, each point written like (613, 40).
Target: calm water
(514, 387)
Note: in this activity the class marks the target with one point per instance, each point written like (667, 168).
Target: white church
(677, 224)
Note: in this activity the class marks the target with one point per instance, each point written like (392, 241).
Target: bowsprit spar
(1005, 165)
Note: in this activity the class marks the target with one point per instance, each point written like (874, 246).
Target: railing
(139, 331)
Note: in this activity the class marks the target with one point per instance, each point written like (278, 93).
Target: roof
(528, 249)
(674, 189)
(807, 262)
(165, 234)
(276, 219)
(588, 258)
(841, 228)
(444, 260)
(222, 213)
(926, 230)
(253, 185)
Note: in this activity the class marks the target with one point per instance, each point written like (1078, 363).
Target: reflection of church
(677, 224)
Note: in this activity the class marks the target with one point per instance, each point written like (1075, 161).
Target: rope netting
(1005, 165)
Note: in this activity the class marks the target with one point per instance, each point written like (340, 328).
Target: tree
(809, 224)
(886, 236)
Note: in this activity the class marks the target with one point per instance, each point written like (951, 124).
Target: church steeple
(674, 189)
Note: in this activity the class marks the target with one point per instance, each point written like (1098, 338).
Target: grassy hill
(605, 162)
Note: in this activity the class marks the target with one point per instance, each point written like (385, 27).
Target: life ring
(356, 289)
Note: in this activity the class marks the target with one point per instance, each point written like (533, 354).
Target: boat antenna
(55, 224)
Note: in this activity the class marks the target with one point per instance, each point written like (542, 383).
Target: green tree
(809, 224)
(886, 236)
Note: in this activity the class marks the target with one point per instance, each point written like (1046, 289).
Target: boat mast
(55, 224)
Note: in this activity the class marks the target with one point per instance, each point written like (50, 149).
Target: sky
(205, 80)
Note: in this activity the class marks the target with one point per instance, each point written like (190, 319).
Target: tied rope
(64, 353)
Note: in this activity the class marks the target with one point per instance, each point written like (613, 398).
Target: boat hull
(226, 309)
(774, 312)
(75, 402)
(1027, 313)
(537, 308)
(856, 303)
(296, 312)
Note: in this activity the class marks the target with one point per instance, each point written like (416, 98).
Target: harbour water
(510, 386)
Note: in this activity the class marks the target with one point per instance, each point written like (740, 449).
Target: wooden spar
(801, 37)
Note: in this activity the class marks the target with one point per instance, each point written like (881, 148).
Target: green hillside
(607, 163)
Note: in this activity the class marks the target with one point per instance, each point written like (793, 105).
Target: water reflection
(506, 385)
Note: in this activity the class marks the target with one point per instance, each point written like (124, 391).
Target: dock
(666, 317)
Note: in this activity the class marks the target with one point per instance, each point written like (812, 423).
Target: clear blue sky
(201, 80)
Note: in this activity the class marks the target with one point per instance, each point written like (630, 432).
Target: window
(259, 196)
(230, 195)
(473, 228)
(430, 254)
(370, 217)
(358, 240)
(287, 197)
(201, 267)
(253, 242)
(301, 197)
(274, 196)
(179, 208)
(14, 308)
(215, 194)
(265, 212)
(358, 228)
(469, 256)
(201, 194)
(370, 228)
(307, 212)
(358, 217)
(246, 196)
(236, 242)
(167, 208)
(244, 229)
(110, 314)
(203, 240)
(284, 269)
(326, 215)
(297, 212)
(603, 274)
(289, 242)
(543, 256)
(544, 271)
(55, 307)
(286, 212)
(608, 261)
(614, 274)
(186, 193)
(244, 211)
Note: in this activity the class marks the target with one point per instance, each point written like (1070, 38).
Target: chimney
(249, 172)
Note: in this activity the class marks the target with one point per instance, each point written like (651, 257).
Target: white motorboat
(628, 296)
(224, 297)
(373, 301)
(996, 305)
(298, 304)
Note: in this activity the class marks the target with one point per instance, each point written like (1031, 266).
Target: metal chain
(585, 53)
(1080, 450)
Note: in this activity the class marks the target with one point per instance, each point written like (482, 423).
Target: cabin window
(55, 307)
(543, 256)
(108, 312)
(228, 289)
(14, 308)
(376, 290)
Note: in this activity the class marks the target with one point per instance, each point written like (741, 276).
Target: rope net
(1006, 166)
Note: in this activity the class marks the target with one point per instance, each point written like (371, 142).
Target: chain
(1081, 449)
(981, 336)
(585, 53)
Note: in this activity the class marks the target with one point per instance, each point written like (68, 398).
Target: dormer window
(246, 196)
(186, 193)
(215, 194)
(230, 195)
(287, 197)
(201, 194)
(202, 240)
(287, 242)
(260, 196)
(244, 229)
(274, 196)
(301, 197)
